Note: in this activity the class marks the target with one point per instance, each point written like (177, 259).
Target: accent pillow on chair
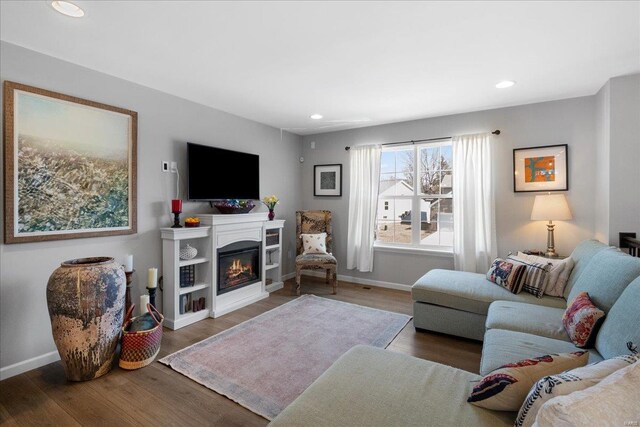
(314, 243)
(567, 382)
(505, 388)
(507, 274)
(581, 320)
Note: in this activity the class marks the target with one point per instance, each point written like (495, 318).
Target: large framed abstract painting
(543, 168)
(327, 180)
(69, 166)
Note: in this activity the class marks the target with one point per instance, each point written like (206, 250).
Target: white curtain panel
(474, 230)
(364, 179)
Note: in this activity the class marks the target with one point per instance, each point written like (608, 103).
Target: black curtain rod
(414, 141)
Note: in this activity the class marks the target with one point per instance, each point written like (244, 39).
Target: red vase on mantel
(272, 214)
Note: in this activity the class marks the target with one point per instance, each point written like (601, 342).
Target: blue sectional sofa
(374, 387)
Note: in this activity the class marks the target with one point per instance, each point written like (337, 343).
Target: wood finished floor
(156, 395)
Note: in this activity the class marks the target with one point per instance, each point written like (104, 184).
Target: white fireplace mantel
(228, 229)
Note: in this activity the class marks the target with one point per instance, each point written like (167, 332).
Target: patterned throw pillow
(506, 388)
(558, 274)
(537, 275)
(506, 274)
(314, 243)
(567, 382)
(611, 402)
(581, 320)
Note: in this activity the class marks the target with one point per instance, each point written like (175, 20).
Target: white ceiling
(357, 63)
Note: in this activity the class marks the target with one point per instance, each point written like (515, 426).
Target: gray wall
(618, 155)
(569, 121)
(624, 145)
(165, 123)
(603, 154)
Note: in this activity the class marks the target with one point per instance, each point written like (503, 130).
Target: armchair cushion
(315, 259)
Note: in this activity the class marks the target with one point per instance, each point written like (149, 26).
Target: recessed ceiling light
(505, 84)
(68, 9)
(316, 116)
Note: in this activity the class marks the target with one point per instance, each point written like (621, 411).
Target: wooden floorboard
(157, 395)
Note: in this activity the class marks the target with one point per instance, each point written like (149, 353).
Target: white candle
(144, 300)
(152, 281)
(128, 265)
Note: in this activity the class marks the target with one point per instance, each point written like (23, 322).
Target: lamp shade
(550, 207)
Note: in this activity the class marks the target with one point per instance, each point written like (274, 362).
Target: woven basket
(140, 348)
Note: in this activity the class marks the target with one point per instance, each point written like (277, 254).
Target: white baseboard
(289, 276)
(29, 364)
(361, 281)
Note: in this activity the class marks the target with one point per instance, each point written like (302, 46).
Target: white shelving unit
(217, 231)
(172, 240)
(272, 254)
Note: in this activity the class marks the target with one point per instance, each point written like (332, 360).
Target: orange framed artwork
(542, 168)
(69, 166)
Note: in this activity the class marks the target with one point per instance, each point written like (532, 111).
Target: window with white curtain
(415, 206)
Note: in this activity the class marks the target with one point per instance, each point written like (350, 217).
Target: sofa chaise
(373, 387)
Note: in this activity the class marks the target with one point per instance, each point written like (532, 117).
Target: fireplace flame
(236, 269)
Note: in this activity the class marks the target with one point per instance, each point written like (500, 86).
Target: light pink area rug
(266, 362)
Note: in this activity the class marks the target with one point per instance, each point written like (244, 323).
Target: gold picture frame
(70, 166)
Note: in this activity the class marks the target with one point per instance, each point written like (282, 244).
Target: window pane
(394, 221)
(428, 210)
(446, 152)
(446, 183)
(429, 170)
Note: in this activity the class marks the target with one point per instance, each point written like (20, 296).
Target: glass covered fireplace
(238, 266)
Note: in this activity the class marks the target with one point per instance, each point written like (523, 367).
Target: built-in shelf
(269, 248)
(193, 261)
(271, 266)
(190, 289)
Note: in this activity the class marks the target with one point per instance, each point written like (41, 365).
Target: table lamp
(550, 207)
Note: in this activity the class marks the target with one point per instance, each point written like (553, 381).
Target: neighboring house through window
(416, 209)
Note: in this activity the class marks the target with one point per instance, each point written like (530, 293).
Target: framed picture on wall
(544, 168)
(69, 166)
(327, 180)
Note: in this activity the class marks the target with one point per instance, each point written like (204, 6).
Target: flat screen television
(216, 174)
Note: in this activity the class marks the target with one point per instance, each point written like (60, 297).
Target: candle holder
(176, 220)
(152, 296)
(127, 295)
(176, 209)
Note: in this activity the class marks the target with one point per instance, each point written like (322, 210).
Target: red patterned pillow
(581, 320)
(507, 274)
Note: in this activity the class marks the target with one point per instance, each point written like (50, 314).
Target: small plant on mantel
(271, 202)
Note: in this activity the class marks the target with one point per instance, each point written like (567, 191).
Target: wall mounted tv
(216, 174)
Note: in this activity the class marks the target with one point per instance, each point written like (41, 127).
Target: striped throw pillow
(536, 277)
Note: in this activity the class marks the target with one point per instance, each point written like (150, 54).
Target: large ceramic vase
(86, 305)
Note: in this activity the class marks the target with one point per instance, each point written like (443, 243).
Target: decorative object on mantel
(192, 221)
(331, 328)
(234, 206)
(550, 207)
(152, 285)
(82, 152)
(188, 252)
(271, 202)
(176, 209)
(543, 168)
(327, 180)
(141, 338)
(86, 299)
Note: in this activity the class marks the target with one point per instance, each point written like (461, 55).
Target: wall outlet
(165, 166)
(174, 167)
(313, 145)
